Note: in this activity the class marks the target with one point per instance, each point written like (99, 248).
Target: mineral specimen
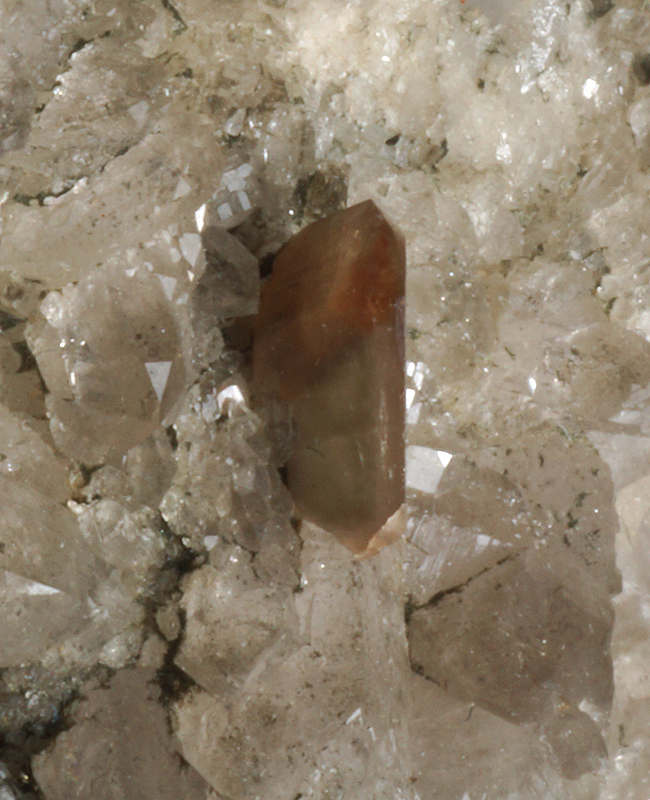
(508, 141)
(329, 344)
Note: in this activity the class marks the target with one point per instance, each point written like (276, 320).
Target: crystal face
(329, 342)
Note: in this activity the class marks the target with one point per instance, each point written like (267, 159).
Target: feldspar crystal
(329, 344)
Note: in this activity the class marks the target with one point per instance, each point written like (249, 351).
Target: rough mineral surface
(154, 157)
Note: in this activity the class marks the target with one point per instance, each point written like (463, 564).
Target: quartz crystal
(525, 642)
(329, 344)
(119, 748)
(281, 706)
(108, 351)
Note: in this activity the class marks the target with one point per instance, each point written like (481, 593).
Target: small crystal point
(329, 342)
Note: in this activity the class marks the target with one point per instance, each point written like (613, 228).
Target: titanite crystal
(329, 344)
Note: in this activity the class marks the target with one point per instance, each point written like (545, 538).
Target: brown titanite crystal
(329, 342)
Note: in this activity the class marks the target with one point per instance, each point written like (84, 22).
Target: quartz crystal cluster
(176, 622)
(108, 351)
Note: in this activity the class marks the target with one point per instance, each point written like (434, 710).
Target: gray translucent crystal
(119, 748)
(48, 167)
(35, 617)
(41, 540)
(232, 619)
(108, 350)
(229, 287)
(64, 239)
(236, 495)
(140, 478)
(567, 492)
(197, 500)
(129, 542)
(296, 708)
(576, 741)
(523, 638)
(26, 458)
(20, 390)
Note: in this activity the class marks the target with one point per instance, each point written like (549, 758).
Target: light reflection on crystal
(159, 373)
(168, 284)
(190, 245)
(424, 468)
(182, 188)
(199, 216)
(231, 394)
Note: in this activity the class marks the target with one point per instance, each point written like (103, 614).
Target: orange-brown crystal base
(329, 342)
